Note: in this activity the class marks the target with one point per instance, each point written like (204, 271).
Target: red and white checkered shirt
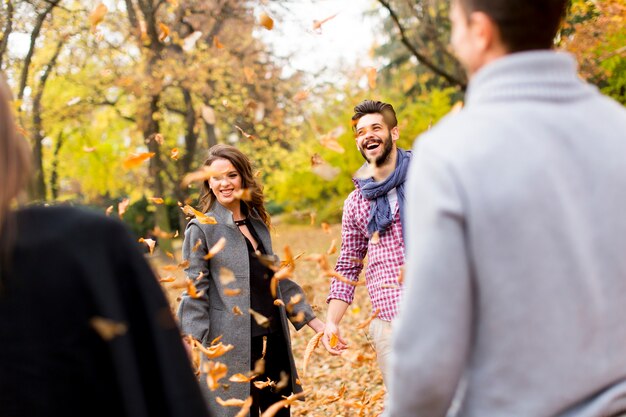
(384, 258)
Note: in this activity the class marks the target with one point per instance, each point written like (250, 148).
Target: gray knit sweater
(516, 251)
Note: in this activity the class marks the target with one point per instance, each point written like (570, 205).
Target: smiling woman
(239, 298)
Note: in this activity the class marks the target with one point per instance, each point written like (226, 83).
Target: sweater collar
(535, 75)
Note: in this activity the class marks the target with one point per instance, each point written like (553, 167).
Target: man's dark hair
(523, 24)
(373, 107)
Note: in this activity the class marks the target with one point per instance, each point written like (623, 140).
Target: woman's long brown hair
(243, 166)
(14, 172)
(14, 155)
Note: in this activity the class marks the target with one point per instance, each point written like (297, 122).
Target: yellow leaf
(156, 200)
(333, 340)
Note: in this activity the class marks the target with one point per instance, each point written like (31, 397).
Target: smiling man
(371, 226)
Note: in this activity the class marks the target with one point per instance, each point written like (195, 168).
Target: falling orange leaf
(202, 174)
(164, 32)
(174, 154)
(401, 275)
(169, 254)
(264, 384)
(369, 320)
(158, 138)
(156, 200)
(217, 43)
(245, 408)
(108, 329)
(202, 218)
(196, 245)
(333, 247)
(247, 135)
(122, 206)
(136, 160)
(301, 96)
(323, 169)
(231, 402)
(326, 228)
(215, 249)
(313, 216)
(215, 350)
(317, 24)
(293, 301)
(232, 292)
(375, 238)
(277, 406)
(343, 279)
(192, 290)
(371, 77)
(149, 242)
(88, 149)
(237, 311)
(97, 15)
(171, 278)
(241, 378)
(215, 371)
(266, 21)
(244, 194)
(278, 302)
(260, 319)
(109, 210)
(310, 347)
(249, 74)
(226, 276)
(208, 114)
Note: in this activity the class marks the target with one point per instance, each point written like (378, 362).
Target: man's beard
(383, 157)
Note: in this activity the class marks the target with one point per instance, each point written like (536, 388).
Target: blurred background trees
(122, 99)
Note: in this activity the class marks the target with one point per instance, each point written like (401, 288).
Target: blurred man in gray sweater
(515, 296)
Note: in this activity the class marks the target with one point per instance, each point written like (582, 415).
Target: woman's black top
(261, 299)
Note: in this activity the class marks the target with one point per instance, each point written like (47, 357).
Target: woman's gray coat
(211, 315)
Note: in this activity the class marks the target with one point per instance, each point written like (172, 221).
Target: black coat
(67, 267)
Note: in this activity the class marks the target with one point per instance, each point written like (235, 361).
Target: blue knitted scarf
(381, 215)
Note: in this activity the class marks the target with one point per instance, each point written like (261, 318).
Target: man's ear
(484, 31)
(395, 133)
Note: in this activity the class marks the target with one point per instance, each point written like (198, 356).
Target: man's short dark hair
(523, 24)
(373, 107)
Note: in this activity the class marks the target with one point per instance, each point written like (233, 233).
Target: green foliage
(299, 189)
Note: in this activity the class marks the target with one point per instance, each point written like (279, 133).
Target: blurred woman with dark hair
(225, 305)
(85, 329)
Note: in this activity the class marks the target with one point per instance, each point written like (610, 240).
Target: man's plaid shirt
(384, 258)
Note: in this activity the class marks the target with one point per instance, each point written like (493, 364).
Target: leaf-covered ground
(350, 385)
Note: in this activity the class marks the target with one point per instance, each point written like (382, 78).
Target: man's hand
(332, 340)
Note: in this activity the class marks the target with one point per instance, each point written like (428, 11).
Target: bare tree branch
(423, 59)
